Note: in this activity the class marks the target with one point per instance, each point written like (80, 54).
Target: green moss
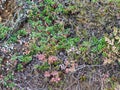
(3, 31)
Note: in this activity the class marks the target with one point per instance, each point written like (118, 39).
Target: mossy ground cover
(62, 45)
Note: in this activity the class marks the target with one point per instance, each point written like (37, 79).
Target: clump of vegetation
(113, 46)
(63, 43)
(3, 31)
(48, 32)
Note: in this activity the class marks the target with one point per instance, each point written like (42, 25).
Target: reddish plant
(41, 57)
(55, 79)
(52, 59)
(54, 73)
(47, 74)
